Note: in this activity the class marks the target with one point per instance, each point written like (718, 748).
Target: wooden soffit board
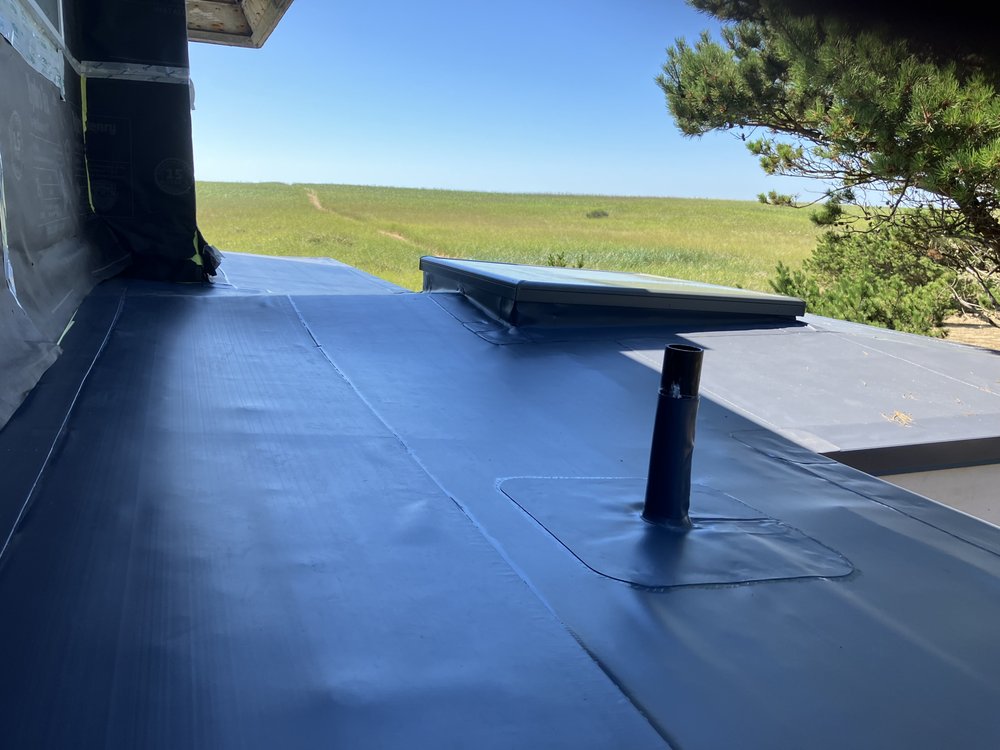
(238, 23)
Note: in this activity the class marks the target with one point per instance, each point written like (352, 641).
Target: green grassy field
(384, 231)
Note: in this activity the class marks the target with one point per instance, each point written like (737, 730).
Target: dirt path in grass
(316, 203)
(314, 200)
(397, 236)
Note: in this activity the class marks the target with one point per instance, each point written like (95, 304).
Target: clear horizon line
(485, 192)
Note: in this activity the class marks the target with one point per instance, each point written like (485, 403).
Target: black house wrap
(96, 169)
(138, 133)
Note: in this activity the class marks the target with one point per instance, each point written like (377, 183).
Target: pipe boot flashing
(668, 488)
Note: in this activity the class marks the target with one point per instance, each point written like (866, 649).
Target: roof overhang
(237, 23)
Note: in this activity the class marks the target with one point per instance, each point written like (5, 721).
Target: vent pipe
(668, 488)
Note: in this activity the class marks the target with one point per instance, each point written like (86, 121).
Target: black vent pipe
(668, 488)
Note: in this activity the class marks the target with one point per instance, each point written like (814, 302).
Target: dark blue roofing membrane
(320, 511)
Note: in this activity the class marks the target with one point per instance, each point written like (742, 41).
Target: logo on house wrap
(174, 177)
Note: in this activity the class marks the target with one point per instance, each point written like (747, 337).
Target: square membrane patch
(600, 521)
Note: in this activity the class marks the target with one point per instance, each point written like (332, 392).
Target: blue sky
(550, 96)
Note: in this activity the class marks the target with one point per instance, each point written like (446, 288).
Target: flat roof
(303, 506)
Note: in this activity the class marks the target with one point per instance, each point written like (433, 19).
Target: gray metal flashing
(30, 33)
(134, 72)
(902, 459)
(957, 524)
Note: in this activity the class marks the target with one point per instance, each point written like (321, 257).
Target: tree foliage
(881, 278)
(774, 198)
(914, 137)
